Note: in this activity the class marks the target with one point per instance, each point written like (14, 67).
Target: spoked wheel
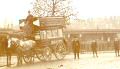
(47, 53)
(60, 51)
(44, 54)
(39, 54)
(28, 57)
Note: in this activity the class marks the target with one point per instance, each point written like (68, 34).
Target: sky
(97, 8)
(13, 10)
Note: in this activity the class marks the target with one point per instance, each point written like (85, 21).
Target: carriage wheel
(44, 54)
(39, 54)
(47, 53)
(28, 57)
(60, 51)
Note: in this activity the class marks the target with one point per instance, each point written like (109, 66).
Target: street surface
(106, 60)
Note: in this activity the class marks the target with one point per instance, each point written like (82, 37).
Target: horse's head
(13, 43)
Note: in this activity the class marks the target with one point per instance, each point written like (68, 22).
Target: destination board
(51, 21)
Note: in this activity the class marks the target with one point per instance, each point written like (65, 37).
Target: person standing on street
(94, 48)
(116, 46)
(76, 48)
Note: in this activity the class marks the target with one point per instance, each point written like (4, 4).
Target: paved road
(106, 60)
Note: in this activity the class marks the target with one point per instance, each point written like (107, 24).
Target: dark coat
(116, 45)
(29, 27)
(76, 46)
(29, 19)
(94, 46)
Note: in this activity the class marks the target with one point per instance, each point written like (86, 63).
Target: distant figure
(94, 48)
(76, 48)
(116, 47)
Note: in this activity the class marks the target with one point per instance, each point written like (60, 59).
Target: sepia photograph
(59, 34)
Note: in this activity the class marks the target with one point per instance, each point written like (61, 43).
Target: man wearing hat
(29, 28)
(116, 46)
(94, 48)
(76, 47)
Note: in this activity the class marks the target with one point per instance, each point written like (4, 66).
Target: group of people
(76, 46)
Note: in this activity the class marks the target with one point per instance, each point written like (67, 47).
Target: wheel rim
(39, 54)
(60, 51)
(28, 57)
(47, 54)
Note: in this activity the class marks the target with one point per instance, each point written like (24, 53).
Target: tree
(53, 8)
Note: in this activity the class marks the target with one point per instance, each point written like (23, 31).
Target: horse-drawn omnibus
(46, 41)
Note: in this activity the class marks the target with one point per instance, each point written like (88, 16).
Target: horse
(3, 46)
(13, 48)
(19, 47)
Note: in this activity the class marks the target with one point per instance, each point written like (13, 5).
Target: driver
(29, 19)
(29, 27)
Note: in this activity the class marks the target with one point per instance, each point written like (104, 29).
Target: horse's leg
(20, 55)
(18, 60)
(32, 56)
(32, 59)
(8, 59)
(0, 52)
